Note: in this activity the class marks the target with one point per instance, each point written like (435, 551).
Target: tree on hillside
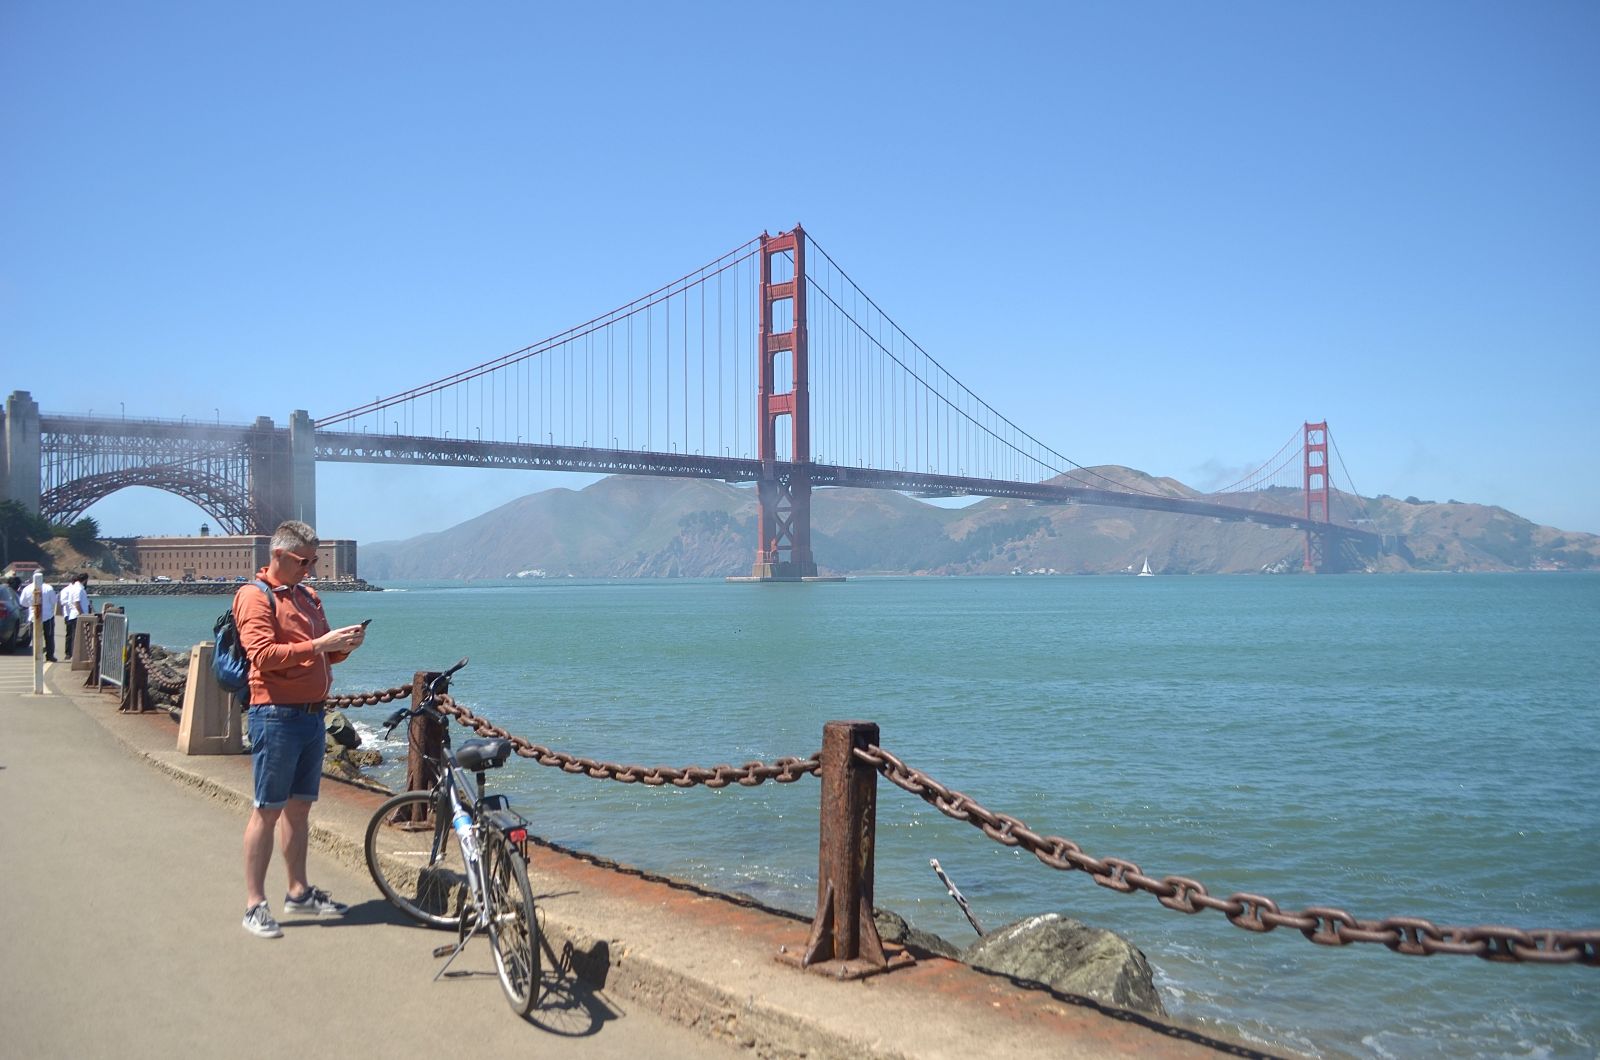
(83, 534)
(20, 532)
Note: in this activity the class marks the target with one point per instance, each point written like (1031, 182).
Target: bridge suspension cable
(666, 372)
(903, 409)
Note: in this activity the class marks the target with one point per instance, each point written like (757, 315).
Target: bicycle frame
(492, 841)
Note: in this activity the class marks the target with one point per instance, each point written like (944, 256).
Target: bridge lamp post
(396, 426)
(480, 433)
(124, 405)
(219, 416)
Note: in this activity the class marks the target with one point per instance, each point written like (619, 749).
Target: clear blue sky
(1159, 235)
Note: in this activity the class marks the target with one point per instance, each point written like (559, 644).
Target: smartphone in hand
(365, 622)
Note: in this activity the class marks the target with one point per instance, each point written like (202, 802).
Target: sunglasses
(302, 560)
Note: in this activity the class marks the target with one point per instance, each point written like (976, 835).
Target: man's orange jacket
(284, 667)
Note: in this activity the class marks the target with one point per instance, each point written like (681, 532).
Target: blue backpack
(228, 661)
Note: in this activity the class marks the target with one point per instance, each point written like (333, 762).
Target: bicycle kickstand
(454, 951)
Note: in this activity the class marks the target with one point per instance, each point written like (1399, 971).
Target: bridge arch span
(223, 499)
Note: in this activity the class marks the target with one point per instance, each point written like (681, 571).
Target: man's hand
(345, 638)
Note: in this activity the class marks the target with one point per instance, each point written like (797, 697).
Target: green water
(1406, 745)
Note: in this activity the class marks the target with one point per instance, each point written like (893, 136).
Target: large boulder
(1072, 957)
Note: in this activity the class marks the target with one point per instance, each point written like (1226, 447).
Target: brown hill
(642, 527)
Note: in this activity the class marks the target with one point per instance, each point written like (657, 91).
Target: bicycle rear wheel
(513, 930)
(416, 861)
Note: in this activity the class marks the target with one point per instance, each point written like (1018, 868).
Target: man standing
(49, 608)
(291, 649)
(75, 604)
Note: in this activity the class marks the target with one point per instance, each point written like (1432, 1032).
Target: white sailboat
(1147, 572)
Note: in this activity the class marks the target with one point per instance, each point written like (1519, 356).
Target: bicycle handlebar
(437, 684)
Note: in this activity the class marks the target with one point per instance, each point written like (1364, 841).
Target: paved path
(120, 900)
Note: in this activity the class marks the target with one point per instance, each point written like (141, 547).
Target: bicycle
(454, 857)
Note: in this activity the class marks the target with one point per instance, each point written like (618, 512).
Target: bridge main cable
(718, 265)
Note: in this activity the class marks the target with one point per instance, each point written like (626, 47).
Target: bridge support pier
(283, 472)
(20, 478)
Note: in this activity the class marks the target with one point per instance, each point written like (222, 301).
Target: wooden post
(844, 941)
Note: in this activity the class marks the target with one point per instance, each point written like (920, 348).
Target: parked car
(14, 632)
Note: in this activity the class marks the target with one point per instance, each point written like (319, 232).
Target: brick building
(210, 557)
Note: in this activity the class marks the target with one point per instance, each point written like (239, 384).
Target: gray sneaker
(258, 921)
(315, 902)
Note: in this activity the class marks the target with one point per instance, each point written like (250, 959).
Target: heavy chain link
(156, 674)
(783, 771)
(368, 699)
(1320, 924)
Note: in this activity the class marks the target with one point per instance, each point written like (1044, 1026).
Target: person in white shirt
(75, 604)
(50, 607)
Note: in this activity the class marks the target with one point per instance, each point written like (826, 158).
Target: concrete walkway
(120, 899)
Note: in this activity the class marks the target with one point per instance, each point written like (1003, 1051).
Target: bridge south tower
(783, 546)
(20, 476)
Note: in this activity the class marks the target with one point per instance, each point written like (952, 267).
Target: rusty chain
(368, 699)
(156, 676)
(783, 771)
(1320, 924)
(1323, 925)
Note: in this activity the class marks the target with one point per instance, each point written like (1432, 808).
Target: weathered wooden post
(425, 738)
(844, 941)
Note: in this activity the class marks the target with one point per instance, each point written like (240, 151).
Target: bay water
(1424, 745)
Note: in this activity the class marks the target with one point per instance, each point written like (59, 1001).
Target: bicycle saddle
(476, 755)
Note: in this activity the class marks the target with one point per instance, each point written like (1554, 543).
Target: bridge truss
(84, 459)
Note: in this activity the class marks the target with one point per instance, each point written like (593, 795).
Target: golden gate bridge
(768, 365)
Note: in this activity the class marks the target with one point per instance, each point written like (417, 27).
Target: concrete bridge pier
(283, 472)
(20, 476)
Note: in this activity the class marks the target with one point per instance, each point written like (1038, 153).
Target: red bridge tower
(1316, 484)
(783, 550)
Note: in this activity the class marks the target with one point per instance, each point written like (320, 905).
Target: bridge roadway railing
(844, 942)
(360, 447)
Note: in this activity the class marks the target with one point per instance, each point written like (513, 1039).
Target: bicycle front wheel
(513, 931)
(415, 860)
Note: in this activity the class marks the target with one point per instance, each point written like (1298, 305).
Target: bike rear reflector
(519, 835)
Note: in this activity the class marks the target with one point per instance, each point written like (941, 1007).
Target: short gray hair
(294, 534)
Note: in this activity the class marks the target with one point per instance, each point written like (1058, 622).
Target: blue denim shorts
(286, 748)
